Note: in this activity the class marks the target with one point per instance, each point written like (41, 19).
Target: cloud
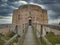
(4, 0)
(53, 10)
(44, 1)
(52, 6)
(7, 8)
(6, 20)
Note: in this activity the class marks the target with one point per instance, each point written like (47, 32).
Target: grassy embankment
(54, 39)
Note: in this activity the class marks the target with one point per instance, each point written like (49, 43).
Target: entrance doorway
(30, 22)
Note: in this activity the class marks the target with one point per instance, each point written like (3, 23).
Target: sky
(7, 7)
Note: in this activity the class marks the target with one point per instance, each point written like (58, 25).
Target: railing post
(26, 26)
(23, 28)
(35, 28)
(41, 32)
(16, 28)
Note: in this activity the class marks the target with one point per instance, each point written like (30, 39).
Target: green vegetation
(1, 40)
(9, 35)
(1, 35)
(15, 41)
(54, 39)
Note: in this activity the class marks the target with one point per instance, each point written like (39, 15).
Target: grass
(9, 35)
(54, 39)
(7, 38)
(2, 42)
(1, 39)
(15, 41)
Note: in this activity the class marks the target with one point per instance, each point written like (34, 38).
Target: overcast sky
(7, 7)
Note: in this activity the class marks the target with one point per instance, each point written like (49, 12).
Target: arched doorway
(30, 20)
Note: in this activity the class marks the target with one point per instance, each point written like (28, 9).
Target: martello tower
(29, 14)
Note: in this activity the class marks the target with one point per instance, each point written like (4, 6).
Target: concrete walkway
(29, 38)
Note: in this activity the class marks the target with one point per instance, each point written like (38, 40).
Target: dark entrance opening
(30, 22)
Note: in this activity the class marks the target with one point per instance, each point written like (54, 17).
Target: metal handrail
(50, 26)
(16, 35)
(11, 40)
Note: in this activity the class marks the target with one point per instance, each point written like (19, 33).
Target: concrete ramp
(29, 38)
